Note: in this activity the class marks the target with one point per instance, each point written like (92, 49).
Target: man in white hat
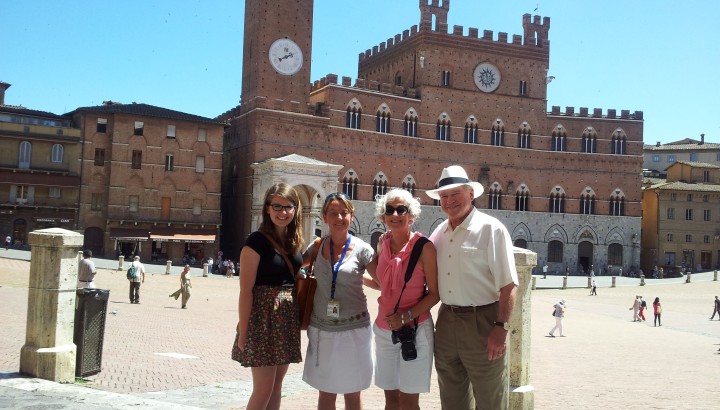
(477, 282)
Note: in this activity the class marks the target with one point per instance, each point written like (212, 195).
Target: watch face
(486, 77)
(285, 56)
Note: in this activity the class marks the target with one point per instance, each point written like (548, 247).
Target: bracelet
(402, 319)
(410, 315)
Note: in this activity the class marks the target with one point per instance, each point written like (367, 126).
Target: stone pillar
(715, 275)
(589, 283)
(522, 394)
(121, 261)
(205, 270)
(688, 276)
(642, 280)
(613, 281)
(564, 282)
(49, 352)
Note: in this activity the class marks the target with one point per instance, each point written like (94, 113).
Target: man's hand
(497, 343)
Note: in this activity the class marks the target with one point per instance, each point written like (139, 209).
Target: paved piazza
(158, 352)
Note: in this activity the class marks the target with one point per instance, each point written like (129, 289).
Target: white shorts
(394, 373)
(342, 363)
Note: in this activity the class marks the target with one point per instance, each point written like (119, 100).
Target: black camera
(406, 337)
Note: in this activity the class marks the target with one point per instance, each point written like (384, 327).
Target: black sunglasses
(287, 208)
(336, 195)
(401, 210)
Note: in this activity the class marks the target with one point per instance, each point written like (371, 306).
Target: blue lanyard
(336, 268)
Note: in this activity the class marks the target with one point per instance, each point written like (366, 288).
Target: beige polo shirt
(475, 260)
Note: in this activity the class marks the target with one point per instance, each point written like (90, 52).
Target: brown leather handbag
(305, 289)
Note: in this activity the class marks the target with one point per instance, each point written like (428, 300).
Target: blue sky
(657, 56)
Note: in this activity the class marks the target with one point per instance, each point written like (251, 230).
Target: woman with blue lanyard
(339, 353)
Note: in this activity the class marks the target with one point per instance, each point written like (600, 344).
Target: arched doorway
(94, 240)
(585, 255)
(615, 257)
(520, 243)
(19, 235)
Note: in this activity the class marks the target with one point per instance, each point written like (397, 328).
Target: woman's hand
(394, 321)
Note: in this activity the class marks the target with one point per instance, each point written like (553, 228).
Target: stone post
(522, 394)
(533, 283)
(687, 279)
(642, 280)
(205, 270)
(121, 261)
(564, 282)
(613, 281)
(49, 352)
(715, 275)
(168, 265)
(589, 282)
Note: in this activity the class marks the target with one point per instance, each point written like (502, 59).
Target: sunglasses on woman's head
(401, 210)
(336, 195)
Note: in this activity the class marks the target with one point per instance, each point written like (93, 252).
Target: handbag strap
(282, 253)
(317, 245)
(414, 256)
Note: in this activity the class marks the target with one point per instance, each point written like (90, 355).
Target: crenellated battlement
(535, 35)
(596, 113)
(363, 84)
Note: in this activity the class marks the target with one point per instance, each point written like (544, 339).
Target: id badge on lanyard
(333, 306)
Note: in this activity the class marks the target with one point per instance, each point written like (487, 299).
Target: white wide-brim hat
(455, 176)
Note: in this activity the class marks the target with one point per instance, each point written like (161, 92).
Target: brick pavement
(606, 360)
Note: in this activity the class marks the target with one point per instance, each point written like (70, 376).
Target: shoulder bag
(305, 288)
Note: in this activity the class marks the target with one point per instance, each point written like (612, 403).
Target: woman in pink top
(403, 336)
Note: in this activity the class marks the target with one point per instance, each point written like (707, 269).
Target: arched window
(353, 116)
(442, 129)
(618, 142)
(382, 119)
(521, 198)
(57, 153)
(520, 243)
(555, 251)
(497, 133)
(350, 183)
(495, 196)
(409, 184)
(615, 254)
(617, 203)
(471, 130)
(559, 139)
(557, 201)
(589, 140)
(410, 123)
(24, 155)
(379, 185)
(524, 135)
(587, 201)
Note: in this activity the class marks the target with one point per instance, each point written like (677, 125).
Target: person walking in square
(657, 309)
(716, 308)
(138, 280)
(593, 288)
(86, 271)
(185, 286)
(636, 309)
(643, 306)
(477, 281)
(559, 315)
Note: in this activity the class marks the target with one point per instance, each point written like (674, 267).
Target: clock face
(285, 56)
(486, 77)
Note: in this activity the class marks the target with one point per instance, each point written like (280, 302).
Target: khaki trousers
(467, 379)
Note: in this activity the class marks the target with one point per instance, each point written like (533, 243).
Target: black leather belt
(467, 309)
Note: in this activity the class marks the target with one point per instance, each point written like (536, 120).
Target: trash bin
(90, 313)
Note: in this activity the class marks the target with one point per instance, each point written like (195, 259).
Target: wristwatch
(503, 325)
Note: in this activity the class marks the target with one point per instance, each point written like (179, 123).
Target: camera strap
(414, 257)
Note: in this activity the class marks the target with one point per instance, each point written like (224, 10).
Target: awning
(183, 237)
(128, 234)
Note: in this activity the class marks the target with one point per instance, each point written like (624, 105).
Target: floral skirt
(273, 329)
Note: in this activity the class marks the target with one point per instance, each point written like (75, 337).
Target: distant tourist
(86, 272)
(559, 314)
(593, 290)
(643, 306)
(137, 280)
(185, 286)
(636, 309)
(716, 308)
(8, 241)
(657, 308)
